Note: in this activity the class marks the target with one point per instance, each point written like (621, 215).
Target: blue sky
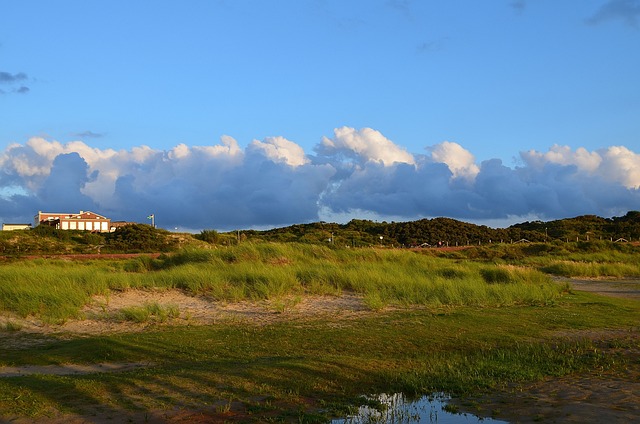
(141, 98)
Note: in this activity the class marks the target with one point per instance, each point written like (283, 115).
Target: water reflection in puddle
(398, 409)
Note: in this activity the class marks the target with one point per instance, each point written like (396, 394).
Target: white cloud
(279, 149)
(459, 160)
(620, 164)
(357, 173)
(366, 145)
(563, 155)
(616, 163)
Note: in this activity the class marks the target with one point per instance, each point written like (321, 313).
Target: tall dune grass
(57, 290)
(594, 259)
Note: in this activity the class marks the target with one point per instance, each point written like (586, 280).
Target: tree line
(356, 233)
(450, 232)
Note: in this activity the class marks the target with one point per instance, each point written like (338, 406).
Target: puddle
(398, 410)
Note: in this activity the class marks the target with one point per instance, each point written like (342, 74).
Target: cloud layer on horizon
(274, 182)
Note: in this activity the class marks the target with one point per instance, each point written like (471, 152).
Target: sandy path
(629, 289)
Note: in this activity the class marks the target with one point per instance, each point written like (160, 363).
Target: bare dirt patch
(102, 314)
(201, 310)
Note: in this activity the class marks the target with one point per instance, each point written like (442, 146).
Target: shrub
(139, 264)
(496, 275)
(209, 236)
(140, 238)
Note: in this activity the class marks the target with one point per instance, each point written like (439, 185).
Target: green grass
(474, 320)
(596, 259)
(148, 312)
(277, 367)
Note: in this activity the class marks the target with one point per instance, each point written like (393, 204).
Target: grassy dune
(56, 290)
(594, 259)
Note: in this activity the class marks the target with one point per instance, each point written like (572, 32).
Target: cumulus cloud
(365, 145)
(616, 164)
(460, 161)
(273, 182)
(627, 11)
(279, 149)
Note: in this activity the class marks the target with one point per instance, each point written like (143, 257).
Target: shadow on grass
(184, 379)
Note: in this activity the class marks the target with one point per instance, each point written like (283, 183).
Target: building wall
(83, 221)
(12, 227)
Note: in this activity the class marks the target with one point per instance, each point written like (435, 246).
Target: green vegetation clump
(140, 238)
(148, 312)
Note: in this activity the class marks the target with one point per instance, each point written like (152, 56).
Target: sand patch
(103, 314)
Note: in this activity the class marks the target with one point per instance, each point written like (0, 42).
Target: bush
(48, 231)
(209, 236)
(140, 238)
(496, 275)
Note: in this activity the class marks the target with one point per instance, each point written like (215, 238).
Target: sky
(236, 114)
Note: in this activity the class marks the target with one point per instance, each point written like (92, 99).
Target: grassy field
(461, 322)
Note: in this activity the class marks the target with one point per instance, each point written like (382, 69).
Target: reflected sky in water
(399, 409)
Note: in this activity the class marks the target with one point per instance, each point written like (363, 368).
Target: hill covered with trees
(356, 233)
(448, 232)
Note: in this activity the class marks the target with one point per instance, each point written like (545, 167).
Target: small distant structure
(621, 240)
(522, 241)
(118, 224)
(83, 221)
(14, 227)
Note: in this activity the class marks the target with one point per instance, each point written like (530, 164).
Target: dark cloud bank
(354, 174)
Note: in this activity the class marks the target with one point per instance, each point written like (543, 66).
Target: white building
(12, 227)
(83, 221)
